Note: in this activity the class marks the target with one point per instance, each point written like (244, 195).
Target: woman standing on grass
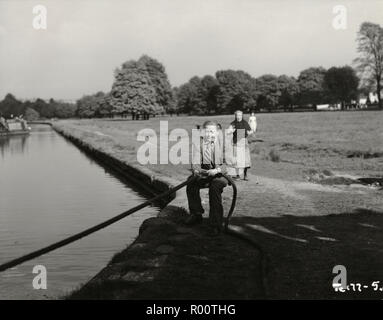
(253, 122)
(240, 130)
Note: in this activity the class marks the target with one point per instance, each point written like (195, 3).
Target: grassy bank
(338, 141)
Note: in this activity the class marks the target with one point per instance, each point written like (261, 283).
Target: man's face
(211, 132)
(238, 116)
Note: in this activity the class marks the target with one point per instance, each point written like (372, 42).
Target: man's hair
(209, 123)
(238, 111)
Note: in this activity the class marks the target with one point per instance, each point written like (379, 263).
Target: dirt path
(270, 197)
(305, 229)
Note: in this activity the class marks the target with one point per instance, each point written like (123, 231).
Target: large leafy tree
(65, 110)
(268, 91)
(198, 95)
(188, 97)
(88, 105)
(159, 80)
(45, 109)
(38, 104)
(370, 60)
(105, 107)
(38, 108)
(233, 92)
(288, 88)
(141, 86)
(31, 114)
(311, 85)
(48, 110)
(208, 92)
(11, 106)
(341, 84)
(173, 106)
(132, 90)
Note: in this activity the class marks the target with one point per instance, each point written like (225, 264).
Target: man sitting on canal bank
(207, 164)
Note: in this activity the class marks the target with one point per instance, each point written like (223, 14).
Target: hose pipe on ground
(233, 201)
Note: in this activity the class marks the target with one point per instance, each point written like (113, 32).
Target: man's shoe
(193, 219)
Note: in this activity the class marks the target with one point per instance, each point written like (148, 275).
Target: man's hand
(213, 172)
(195, 172)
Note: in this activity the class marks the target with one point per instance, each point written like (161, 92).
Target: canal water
(49, 190)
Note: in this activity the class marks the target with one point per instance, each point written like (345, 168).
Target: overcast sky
(86, 40)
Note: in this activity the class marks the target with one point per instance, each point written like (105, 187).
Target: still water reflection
(49, 190)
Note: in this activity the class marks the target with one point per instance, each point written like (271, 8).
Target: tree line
(228, 91)
(141, 87)
(10, 107)
(235, 89)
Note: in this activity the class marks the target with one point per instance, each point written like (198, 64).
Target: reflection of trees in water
(42, 134)
(4, 142)
(12, 144)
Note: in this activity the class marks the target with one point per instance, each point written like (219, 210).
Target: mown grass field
(347, 142)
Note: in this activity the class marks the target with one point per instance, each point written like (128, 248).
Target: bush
(31, 114)
(274, 155)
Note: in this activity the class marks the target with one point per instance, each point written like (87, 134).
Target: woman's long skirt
(238, 158)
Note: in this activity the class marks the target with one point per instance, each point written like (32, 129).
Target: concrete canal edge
(168, 260)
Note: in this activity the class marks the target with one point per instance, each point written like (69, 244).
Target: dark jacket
(240, 125)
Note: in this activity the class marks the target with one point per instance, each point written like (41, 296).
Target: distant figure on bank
(253, 122)
(241, 157)
(207, 164)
